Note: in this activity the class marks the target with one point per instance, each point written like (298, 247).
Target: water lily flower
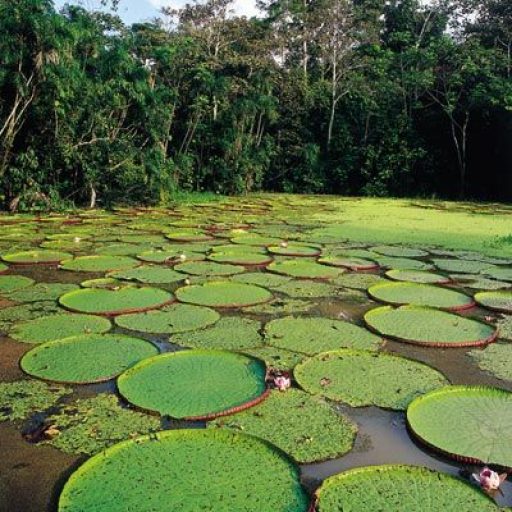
(489, 480)
(183, 257)
(77, 239)
(187, 282)
(284, 245)
(282, 382)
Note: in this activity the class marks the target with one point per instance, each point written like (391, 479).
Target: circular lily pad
(188, 235)
(311, 335)
(427, 326)
(12, 283)
(478, 282)
(403, 263)
(274, 357)
(36, 257)
(241, 258)
(462, 266)
(264, 279)
(502, 274)
(23, 312)
(99, 263)
(305, 269)
(122, 249)
(399, 251)
(41, 292)
(169, 256)
(420, 295)
(85, 359)
(417, 276)
(195, 384)
(504, 325)
(257, 240)
(282, 307)
(149, 274)
(358, 281)
(298, 250)
(229, 333)
(48, 328)
(223, 294)
(496, 359)
(305, 289)
(169, 320)
(121, 301)
(361, 378)
(349, 262)
(470, 424)
(187, 470)
(495, 300)
(104, 282)
(3, 268)
(209, 268)
(314, 431)
(400, 489)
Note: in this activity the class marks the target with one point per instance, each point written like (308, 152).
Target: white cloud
(242, 7)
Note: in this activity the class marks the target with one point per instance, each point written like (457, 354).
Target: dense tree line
(366, 97)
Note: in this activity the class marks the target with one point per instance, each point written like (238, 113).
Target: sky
(139, 10)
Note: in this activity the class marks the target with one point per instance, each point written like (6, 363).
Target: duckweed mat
(430, 327)
(195, 384)
(187, 470)
(470, 424)
(305, 427)
(399, 488)
(85, 359)
(362, 378)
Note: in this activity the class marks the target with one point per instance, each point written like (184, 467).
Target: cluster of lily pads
(193, 311)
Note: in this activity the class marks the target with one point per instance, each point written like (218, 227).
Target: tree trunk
(93, 197)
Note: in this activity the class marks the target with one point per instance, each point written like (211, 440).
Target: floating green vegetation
(471, 424)
(91, 425)
(120, 301)
(477, 282)
(304, 269)
(187, 470)
(99, 263)
(257, 240)
(417, 276)
(209, 268)
(263, 279)
(48, 328)
(502, 274)
(85, 359)
(504, 326)
(188, 235)
(73, 245)
(169, 255)
(36, 257)
(495, 300)
(311, 335)
(41, 292)
(238, 249)
(460, 266)
(11, 283)
(402, 293)
(274, 357)
(361, 378)
(194, 383)
(122, 249)
(103, 282)
(358, 281)
(229, 333)
(496, 359)
(349, 262)
(176, 318)
(303, 426)
(403, 263)
(3, 267)
(143, 239)
(426, 326)
(240, 257)
(281, 307)
(23, 312)
(149, 274)
(22, 398)
(304, 289)
(299, 250)
(396, 488)
(223, 294)
(399, 251)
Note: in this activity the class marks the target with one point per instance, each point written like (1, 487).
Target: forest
(396, 98)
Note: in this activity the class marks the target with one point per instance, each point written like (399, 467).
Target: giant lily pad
(169, 256)
(41, 292)
(23, 312)
(12, 283)
(495, 359)
(209, 268)
(149, 274)
(310, 335)
(399, 251)
(121, 301)
(240, 257)
(420, 295)
(264, 279)
(427, 326)
(394, 488)
(471, 424)
(358, 281)
(305, 289)
(417, 276)
(314, 431)
(85, 359)
(223, 294)
(274, 357)
(502, 274)
(361, 378)
(198, 384)
(257, 240)
(461, 266)
(349, 262)
(299, 250)
(504, 325)
(187, 470)
(496, 300)
(99, 263)
(305, 269)
(3, 268)
(402, 263)
(169, 320)
(36, 257)
(48, 328)
(188, 235)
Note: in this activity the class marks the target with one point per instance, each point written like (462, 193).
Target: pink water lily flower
(489, 480)
(282, 382)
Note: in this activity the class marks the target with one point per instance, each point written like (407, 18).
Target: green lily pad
(36, 257)
(461, 266)
(504, 326)
(362, 378)
(12, 283)
(264, 279)
(420, 295)
(304, 269)
(66, 245)
(477, 282)
(209, 268)
(91, 425)
(23, 312)
(22, 398)
(48, 328)
(304, 289)
(169, 255)
(3, 268)
(274, 357)
(495, 300)
(358, 281)
(428, 326)
(298, 250)
(471, 424)
(187, 470)
(417, 276)
(41, 292)
(149, 274)
(188, 235)
(122, 249)
(282, 307)
(349, 262)
(303, 426)
(496, 359)
(241, 258)
(223, 294)
(238, 249)
(121, 301)
(403, 263)
(311, 335)
(172, 319)
(99, 263)
(257, 240)
(85, 359)
(394, 488)
(229, 333)
(194, 384)
(104, 282)
(501, 274)
(396, 251)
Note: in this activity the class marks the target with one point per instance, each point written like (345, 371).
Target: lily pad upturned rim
(446, 391)
(289, 250)
(350, 262)
(187, 353)
(395, 275)
(480, 298)
(56, 259)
